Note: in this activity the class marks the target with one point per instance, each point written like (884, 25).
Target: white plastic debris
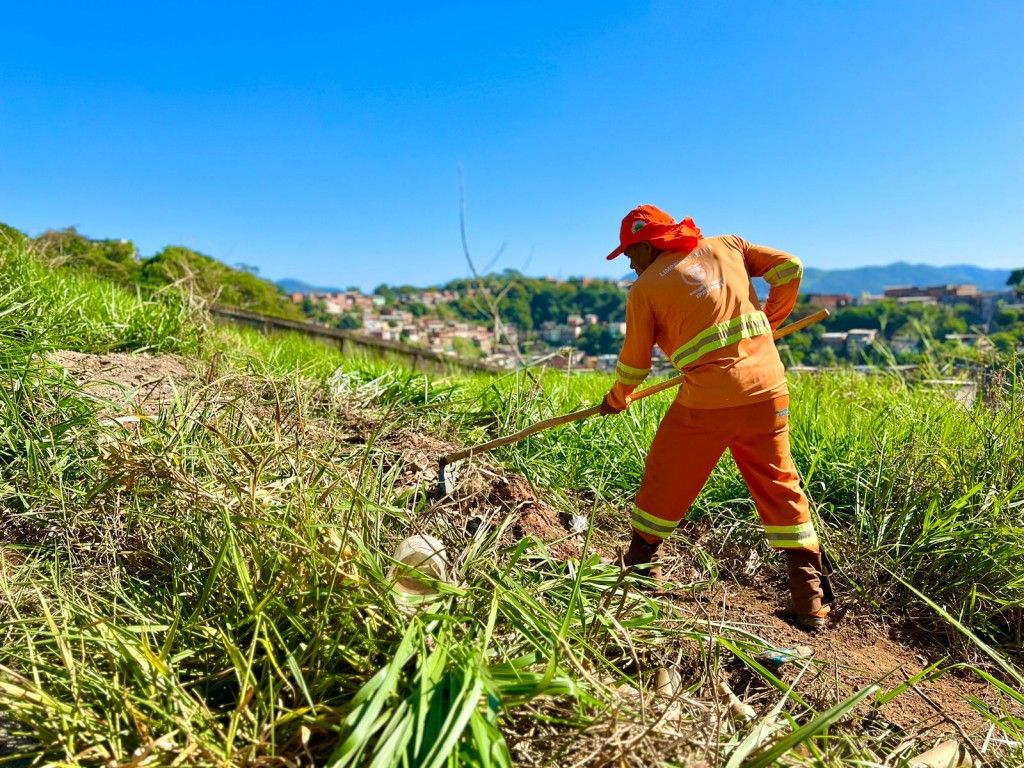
(420, 556)
(948, 754)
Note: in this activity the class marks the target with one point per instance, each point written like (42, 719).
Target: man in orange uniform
(694, 298)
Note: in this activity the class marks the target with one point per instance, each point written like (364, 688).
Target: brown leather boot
(808, 585)
(643, 557)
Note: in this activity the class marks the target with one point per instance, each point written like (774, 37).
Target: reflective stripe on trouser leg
(682, 456)
(761, 451)
(651, 525)
(801, 536)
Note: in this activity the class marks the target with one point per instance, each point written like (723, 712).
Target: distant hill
(292, 285)
(875, 279)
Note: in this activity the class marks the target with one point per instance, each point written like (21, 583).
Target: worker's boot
(808, 584)
(642, 557)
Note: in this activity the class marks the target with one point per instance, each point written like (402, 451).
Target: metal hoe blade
(445, 479)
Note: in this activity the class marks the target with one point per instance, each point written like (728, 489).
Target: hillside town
(427, 318)
(982, 304)
(378, 317)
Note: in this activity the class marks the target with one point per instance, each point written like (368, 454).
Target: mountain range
(294, 285)
(854, 281)
(875, 279)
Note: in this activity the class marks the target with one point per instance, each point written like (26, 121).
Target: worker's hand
(607, 409)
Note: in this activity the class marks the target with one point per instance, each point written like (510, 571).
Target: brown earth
(855, 651)
(137, 383)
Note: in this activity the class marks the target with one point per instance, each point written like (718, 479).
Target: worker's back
(701, 309)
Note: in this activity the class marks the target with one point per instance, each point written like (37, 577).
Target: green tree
(214, 281)
(1016, 280)
(349, 321)
(466, 348)
(113, 260)
(598, 339)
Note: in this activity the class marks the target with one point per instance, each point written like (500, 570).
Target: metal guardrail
(350, 341)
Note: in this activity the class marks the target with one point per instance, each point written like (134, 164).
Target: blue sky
(324, 141)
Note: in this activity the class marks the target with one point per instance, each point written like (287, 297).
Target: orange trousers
(686, 449)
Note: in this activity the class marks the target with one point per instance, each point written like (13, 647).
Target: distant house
(567, 358)
(972, 340)
(950, 293)
(570, 333)
(834, 339)
(829, 301)
(858, 339)
(900, 344)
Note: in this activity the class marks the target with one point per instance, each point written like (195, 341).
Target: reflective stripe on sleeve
(721, 335)
(647, 523)
(800, 536)
(627, 374)
(785, 272)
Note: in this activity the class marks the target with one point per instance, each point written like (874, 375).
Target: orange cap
(648, 223)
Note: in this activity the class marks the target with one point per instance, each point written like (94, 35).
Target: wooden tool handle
(780, 333)
(586, 413)
(540, 426)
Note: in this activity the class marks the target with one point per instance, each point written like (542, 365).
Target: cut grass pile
(212, 586)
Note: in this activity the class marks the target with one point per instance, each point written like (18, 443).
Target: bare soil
(138, 383)
(855, 651)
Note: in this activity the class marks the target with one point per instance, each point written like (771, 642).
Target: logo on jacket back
(699, 269)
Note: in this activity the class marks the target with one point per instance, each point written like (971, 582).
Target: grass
(41, 309)
(213, 587)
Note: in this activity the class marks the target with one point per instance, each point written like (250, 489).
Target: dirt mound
(136, 383)
(480, 493)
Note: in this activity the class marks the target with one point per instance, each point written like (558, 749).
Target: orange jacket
(703, 313)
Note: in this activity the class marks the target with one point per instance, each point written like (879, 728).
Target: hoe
(446, 477)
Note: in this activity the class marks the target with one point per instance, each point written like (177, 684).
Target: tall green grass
(42, 310)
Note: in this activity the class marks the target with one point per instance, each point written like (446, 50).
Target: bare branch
(482, 290)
